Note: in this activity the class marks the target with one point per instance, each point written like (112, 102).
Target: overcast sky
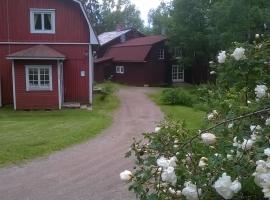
(144, 6)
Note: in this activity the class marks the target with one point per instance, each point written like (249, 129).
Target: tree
(122, 12)
(160, 19)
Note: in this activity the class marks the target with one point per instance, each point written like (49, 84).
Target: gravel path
(89, 171)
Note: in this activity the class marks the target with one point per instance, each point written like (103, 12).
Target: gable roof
(143, 41)
(106, 37)
(38, 52)
(93, 36)
(134, 50)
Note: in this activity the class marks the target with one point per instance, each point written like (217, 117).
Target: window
(38, 78)
(161, 54)
(120, 70)
(178, 73)
(42, 21)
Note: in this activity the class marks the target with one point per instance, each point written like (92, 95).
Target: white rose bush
(229, 157)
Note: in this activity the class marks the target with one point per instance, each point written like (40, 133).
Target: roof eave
(93, 36)
(34, 58)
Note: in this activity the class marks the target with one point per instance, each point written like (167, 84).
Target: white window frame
(39, 87)
(34, 11)
(161, 54)
(176, 71)
(120, 69)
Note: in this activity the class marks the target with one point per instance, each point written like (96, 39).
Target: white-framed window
(161, 54)
(120, 69)
(38, 77)
(42, 21)
(178, 73)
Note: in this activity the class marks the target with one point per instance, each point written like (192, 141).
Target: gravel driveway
(89, 171)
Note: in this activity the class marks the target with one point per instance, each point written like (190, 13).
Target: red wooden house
(45, 53)
(139, 61)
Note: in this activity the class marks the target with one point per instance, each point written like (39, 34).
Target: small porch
(37, 77)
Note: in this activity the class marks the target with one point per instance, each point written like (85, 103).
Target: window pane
(47, 21)
(37, 22)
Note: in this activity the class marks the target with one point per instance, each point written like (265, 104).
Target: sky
(144, 6)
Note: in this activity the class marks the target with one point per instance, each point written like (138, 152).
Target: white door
(178, 73)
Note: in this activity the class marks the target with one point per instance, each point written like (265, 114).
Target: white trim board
(14, 86)
(45, 43)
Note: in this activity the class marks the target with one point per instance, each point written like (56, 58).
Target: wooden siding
(35, 99)
(71, 25)
(76, 88)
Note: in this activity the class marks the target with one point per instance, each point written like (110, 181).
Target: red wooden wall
(71, 27)
(35, 99)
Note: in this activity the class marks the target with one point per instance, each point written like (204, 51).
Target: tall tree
(159, 19)
(120, 12)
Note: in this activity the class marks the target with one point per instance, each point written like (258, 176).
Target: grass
(28, 134)
(193, 118)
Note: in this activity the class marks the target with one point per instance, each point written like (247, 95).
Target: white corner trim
(93, 37)
(91, 75)
(14, 86)
(59, 85)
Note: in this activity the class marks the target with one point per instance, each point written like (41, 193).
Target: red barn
(139, 61)
(45, 53)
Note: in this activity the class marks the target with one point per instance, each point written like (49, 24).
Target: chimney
(120, 27)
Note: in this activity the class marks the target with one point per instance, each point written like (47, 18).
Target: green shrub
(108, 88)
(176, 96)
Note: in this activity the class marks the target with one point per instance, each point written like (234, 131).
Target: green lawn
(193, 118)
(29, 134)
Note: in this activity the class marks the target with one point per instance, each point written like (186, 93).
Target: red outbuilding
(45, 53)
(139, 61)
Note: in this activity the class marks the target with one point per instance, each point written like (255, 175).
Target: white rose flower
(191, 192)
(172, 191)
(163, 162)
(230, 125)
(239, 54)
(229, 157)
(222, 57)
(126, 175)
(267, 152)
(210, 116)
(257, 36)
(157, 129)
(260, 91)
(168, 175)
(212, 72)
(225, 187)
(267, 122)
(178, 193)
(236, 143)
(203, 162)
(247, 144)
(209, 138)
(236, 186)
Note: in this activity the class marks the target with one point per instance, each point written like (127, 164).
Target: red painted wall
(35, 99)
(71, 27)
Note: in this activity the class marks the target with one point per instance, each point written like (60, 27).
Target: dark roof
(37, 52)
(134, 50)
(129, 54)
(143, 41)
(103, 59)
